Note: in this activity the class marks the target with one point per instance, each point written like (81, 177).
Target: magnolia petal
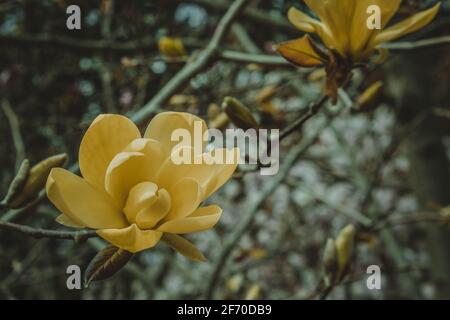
(333, 13)
(81, 202)
(183, 246)
(361, 39)
(358, 33)
(358, 36)
(198, 167)
(126, 170)
(307, 24)
(223, 173)
(411, 24)
(164, 124)
(149, 216)
(131, 238)
(388, 8)
(108, 135)
(186, 197)
(55, 197)
(201, 219)
(153, 150)
(68, 222)
(141, 196)
(301, 52)
(302, 21)
(336, 17)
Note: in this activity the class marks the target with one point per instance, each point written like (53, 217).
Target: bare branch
(298, 124)
(253, 14)
(261, 59)
(203, 60)
(15, 132)
(410, 45)
(77, 236)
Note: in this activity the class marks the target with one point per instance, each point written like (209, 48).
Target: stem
(261, 59)
(77, 236)
(15, 132)
(298, 124)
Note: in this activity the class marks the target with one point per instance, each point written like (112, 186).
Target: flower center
(146, 205)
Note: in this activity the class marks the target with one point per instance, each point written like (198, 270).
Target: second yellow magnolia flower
(342, 27)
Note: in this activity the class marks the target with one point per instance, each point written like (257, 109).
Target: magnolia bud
(36, 180)
(171, 47)
(18, 182)
(329, 262)
(266, 94)
(253, 293)
(220, 122)
(234, 284)
(213, 110)
(445, 214)
(239, 114)
(317, 75)
(344, 248)
(369, 97)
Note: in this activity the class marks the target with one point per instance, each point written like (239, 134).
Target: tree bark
(419, 83)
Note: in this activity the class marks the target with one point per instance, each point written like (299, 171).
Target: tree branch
(261, 59)
(298, 124)
(410, 45)
(77, 236)
(15, 132)
(203, 60)
(78, 44)
(252, 208)
(253, 14)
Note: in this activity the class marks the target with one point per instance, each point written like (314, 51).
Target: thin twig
(261, 59)
(105, 72)
(144, 43)
(441, 112)
(77, 236)
(298, 124)
(148, 42)
(252, 208)
(253, 14)
(246, 42)
(12, 214)
(203, 60)
(385, 157)
(141, 89)
(15, 132)
(106, 78)
(407, 220)
(348, 211)
(410, 45)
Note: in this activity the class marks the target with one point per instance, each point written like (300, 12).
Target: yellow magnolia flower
(343, 26)
(131, 191)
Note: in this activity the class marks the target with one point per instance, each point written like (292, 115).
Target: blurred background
(380, 163)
